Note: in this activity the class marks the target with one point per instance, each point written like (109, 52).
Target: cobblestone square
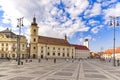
(92, 69)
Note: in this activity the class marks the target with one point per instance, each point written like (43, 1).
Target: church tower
(86, 43)
(33, 39)
(65, 38)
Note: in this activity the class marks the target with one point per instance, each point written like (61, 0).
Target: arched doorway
(34, 56)
(41, 56)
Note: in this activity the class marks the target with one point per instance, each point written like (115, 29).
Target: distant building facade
(47, 47)
(8, 45)
(109, 53)
(81, 51)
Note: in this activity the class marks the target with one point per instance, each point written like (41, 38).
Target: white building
(81, 51)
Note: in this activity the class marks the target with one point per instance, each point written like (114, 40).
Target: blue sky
(78, 19)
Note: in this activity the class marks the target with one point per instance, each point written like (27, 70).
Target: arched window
(34, 31)
(53, 54)
(48, 53)
(34, 47)
(34, 40)
(58, 54)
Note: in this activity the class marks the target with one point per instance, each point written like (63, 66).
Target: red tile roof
(81, 47)
(118, 50)
(53, 41)
(111, 51)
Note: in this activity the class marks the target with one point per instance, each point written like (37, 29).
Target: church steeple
(34, 21)
(65, 38)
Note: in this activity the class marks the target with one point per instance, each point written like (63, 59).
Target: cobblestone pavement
(61, 70)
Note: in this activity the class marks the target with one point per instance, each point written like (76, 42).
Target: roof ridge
(51, 37)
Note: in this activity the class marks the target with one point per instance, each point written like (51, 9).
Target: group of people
(117, 61)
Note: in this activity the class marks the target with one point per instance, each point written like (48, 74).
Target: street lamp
(114, 22)
(19, 25)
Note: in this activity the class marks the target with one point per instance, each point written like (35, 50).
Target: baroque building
(48, 47)
(40, 46)
(8, 45)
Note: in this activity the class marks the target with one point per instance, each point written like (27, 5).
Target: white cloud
(76, 7)
(93, 22)
(96, 29)
(113, 11)
(107, 2)
(96, 10)
(89, 37)
(45, 12)
(2, 28)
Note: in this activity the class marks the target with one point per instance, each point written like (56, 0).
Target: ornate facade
(8, 45)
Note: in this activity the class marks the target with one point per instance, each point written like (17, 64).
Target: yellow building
(8, 45)
(48, 47)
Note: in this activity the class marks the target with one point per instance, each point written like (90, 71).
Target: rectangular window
(53, 48)
(63, 54)
(6, 44)
(2, 49)
(48, 53)
(41, 47)
(67, 54)
(53, 54)
(42, 51)
(58, 54)
(2, 55)
(23, 45)
(5, 55)
(2, 44)
(48, 48)
(6, 49)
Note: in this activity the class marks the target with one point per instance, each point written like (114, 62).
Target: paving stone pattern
(92, 69)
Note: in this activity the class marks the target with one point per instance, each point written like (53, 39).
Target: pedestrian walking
(118, 62)
(39, 60)
(54, 60)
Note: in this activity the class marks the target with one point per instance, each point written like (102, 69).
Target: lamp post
(114, 22)
(19, 25)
